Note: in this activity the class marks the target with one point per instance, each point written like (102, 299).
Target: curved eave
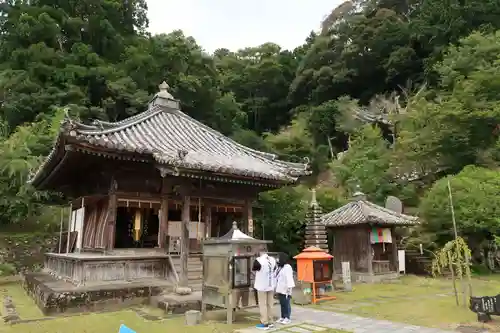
(61, 153)
(49, 165)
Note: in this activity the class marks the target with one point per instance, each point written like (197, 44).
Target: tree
(453, 126)
(20, 154)
(475, 193)
(259, 77)
(367, 164)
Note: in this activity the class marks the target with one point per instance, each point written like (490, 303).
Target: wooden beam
(186, 200)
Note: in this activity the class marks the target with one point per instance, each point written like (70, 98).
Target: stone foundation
(367, 278)
(179, 304)
(54, 296)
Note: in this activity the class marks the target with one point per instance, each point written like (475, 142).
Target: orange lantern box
(315, 266)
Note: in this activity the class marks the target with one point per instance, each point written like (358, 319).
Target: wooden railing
(381, 266)
(81, 271)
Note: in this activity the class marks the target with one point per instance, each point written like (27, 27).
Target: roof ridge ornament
(313, 202)
(358, 194)
(164, 98)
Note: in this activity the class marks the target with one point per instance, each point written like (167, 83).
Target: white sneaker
(279, 321)
(286, 321)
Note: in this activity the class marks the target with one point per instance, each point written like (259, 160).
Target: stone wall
(26, 251)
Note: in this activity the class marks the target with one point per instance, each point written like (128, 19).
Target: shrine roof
(172, 138)
(361, 211)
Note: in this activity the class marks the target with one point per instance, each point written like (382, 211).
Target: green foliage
(281, 218)
(7, 269)
(454, 258)
(96, 59)
(366, 164)
(475, 193)
(19, 155)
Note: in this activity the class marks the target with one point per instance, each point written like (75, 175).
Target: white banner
(401, 261)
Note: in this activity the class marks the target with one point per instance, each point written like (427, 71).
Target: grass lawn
(414, 300)
(110, 322)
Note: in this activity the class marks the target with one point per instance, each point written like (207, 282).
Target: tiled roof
(174, 139)
(362, 211)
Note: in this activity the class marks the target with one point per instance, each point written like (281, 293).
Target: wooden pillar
(69, 226)
(370, 252)
(112, 208)
(207, 218)
(111, 222)
(163, 229)
(248, 217)
(395, 257)
(79, 239)
(59, 250)
(186, 201)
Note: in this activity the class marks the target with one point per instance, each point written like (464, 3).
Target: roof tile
(173, 138)
(362, 211)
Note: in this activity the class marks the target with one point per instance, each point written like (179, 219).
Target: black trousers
(285, 305)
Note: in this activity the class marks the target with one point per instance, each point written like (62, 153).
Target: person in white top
(265, 283)
(284, 286)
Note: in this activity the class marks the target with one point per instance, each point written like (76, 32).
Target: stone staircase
(195, 270)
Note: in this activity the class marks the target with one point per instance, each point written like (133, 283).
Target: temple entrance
(222, 222)
(136, 227)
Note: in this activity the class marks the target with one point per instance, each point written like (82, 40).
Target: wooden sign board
(195, 231)
(485, 307)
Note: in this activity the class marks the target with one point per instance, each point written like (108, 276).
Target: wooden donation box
(227, 271)
(315, 266)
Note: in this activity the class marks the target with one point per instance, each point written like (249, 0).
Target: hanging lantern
(137, 224)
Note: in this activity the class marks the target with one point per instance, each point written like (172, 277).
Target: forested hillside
(409, 91)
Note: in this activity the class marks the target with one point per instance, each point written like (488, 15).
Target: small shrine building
(363, 234)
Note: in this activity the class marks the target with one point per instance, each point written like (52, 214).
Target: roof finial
(164, 93)
(314, 202)
(358, 194)
(235, 225)
(164, 86)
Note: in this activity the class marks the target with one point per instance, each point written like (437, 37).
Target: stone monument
(346, 276)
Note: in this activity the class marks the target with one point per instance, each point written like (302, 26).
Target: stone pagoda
(316, 234)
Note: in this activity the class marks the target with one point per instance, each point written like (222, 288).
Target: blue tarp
(125, 329)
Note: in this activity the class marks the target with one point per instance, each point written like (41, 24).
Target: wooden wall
(350, 244)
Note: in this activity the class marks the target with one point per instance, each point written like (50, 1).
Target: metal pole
(61, 230)
(69, 226)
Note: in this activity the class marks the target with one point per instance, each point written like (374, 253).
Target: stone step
(195, 276)
(190, 259)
